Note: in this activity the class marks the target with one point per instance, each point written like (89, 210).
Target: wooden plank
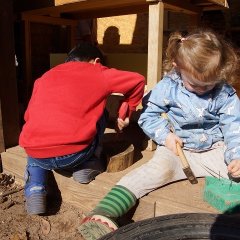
(183, 196)
(14, 165)
(155, 42)
(17, 150)
(82, 196)
(145, 209)
(180, 197)
(79, 195)
(165, 207)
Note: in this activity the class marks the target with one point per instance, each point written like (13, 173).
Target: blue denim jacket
(200, 121)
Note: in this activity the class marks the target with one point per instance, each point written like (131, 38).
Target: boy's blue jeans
(37, 169)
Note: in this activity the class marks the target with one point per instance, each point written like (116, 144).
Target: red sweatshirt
(66, 103)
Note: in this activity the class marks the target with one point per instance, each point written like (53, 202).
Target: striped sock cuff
(116, 203)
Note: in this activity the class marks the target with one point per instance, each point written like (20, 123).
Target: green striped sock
(116, 203)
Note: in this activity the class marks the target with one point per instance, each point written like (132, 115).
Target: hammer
(185, 165)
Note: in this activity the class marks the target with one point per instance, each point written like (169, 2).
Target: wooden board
(82, 196)
(179, 197)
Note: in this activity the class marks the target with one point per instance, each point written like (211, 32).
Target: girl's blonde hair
(203, 54)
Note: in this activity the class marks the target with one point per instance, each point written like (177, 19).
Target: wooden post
(155, 42)
(9, 131)
(155, 46)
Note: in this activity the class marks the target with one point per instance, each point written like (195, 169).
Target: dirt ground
(16, 224)
(62, 219)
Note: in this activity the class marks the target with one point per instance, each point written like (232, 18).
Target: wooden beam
(143, 8)
(90, 5)
(223, 3)
(48, 20)
(181, 6)
(214, 4)
(213, 8)
(155, 42)
(106, 7)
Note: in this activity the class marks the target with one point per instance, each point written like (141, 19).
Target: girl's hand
(171, 141)
(234, 168)
(121, 124)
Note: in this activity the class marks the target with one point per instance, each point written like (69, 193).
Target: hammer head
(190, 175)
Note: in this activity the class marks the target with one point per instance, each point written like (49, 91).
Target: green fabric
(116, 203)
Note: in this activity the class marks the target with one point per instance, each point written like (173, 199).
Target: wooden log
(121, 160)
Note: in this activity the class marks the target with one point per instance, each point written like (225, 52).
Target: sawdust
(16, 224)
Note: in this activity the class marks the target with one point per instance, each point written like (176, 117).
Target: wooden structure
(65, 13)
(180, 197)
(14, 159)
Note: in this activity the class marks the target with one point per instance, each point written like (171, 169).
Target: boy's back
(66, 103)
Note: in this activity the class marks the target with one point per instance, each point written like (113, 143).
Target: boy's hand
(234, 168)
(121, 124)
(171, 141)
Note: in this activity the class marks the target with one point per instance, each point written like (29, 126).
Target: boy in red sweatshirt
(65, 119)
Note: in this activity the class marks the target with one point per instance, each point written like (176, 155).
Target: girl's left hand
(234, 168)
(121, 124)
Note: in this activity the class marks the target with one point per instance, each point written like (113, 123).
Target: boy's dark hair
(84, 52)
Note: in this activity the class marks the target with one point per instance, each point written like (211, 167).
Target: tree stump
(120, 155)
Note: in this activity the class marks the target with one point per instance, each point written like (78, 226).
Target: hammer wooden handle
(185, 165)
(182, 156)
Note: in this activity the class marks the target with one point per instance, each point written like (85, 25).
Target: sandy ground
(61, 222)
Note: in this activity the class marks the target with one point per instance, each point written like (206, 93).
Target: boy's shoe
(88, 170)
(35, 199)
(35, 190)
(96, 226)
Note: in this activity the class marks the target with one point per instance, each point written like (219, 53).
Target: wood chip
(12, 191)
(8, 205)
